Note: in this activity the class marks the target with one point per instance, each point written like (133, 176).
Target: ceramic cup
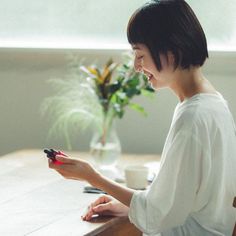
(136, 176)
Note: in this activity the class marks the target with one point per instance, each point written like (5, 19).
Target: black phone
(51, 153)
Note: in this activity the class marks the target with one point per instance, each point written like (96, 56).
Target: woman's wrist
(94, 178)
(119, 192)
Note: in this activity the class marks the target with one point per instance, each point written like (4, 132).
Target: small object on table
(91, 189)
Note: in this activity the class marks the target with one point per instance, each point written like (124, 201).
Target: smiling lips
(149, 76)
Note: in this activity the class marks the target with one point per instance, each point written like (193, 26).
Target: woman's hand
(73, 168)
(106, 205)
(81, 170)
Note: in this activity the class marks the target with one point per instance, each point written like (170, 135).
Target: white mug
(136, 176)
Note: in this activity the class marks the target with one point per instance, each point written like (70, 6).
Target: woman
(196, 184)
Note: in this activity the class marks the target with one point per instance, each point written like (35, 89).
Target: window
(218, 19)
(98, 23)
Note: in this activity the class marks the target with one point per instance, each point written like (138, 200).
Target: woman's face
(144, 63)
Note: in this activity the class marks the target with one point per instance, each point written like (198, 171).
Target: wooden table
(35, 200)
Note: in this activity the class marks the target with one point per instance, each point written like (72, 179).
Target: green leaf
(117, 107)
(148, 88)
(112, 88)
(119, 111)
(138, 108)
(147, 93)
(121, 95)
(126, 67)
(133, 82)
(130, 92)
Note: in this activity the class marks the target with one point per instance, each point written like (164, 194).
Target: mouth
(149, 76)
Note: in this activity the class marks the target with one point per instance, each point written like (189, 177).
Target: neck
(187, 83)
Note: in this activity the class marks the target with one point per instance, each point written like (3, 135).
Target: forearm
(82, 170)
(121, 193)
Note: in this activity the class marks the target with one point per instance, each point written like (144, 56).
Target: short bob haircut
(169, 26)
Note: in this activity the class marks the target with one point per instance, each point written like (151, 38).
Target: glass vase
(105, 147)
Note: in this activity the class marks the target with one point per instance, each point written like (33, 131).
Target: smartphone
(51, 154)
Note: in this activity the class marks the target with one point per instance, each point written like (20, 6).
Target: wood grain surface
(35, 200)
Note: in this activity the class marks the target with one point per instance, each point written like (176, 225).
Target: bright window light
(90, 24)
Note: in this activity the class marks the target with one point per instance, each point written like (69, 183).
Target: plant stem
(107, 124)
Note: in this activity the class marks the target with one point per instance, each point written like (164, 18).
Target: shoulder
(202, 112)
(189, 115)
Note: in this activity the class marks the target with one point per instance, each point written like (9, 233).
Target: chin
(157, 86)
(154, 85)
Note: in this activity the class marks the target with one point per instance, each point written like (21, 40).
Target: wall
(23, 76)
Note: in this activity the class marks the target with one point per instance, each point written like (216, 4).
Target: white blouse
(193, 192)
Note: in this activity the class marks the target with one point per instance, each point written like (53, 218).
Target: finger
(55, 164)
(51, 164)
(102, 208)
(56, 167)
(100, 200)
(89, 215)
(64, 159)
(89, 209)
(92, 213)
(61, 153)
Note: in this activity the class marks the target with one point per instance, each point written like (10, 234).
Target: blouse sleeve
(170, 198)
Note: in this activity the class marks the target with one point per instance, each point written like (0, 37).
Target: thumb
(64, 159)
(102, 207)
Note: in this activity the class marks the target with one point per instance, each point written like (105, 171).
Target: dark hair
(169, 26)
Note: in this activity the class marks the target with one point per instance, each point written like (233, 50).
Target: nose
(137, 65)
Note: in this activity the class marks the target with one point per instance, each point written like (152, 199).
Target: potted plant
(94, 97)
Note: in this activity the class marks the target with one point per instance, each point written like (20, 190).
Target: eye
(140, 57)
